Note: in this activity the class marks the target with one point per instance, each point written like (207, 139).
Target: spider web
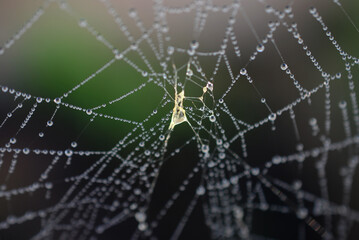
(192, 119)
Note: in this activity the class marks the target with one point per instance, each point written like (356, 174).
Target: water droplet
(12, 140)
(48, 185)
(88, 111)
(142, 226)
(260, 48)
(189, 72)
(134, 46)
(205, 148)
(284, 66)
(68, 152)
(302, 213)
(194, 44)
(272, 116)
(200, 190)
(255, 171)
(50, 123)
(342, 104)
(209, 86)
(170, 50)
(132, 13)
(313, 121)
(57, 100)
(312, 10)
(74, 144)
(276, 160)
(297, 184)
(191, 52)
(222, 155)
(26, 151)
(140, 216)
(83, 23)
(118, 56)
(299, 147)
(243, 71)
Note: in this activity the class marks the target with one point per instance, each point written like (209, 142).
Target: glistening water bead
(68, 152)
(57, 100)
(260, 48)
(272, 116)
(205, 148)
(283, 66)
(88, 111)
(243, 71)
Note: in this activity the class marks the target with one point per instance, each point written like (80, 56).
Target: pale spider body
(178, 112)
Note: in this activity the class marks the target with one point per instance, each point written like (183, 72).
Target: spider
(179, 112)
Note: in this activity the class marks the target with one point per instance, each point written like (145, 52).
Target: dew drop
(222, 155)
(284, 66)
(147, 152)
(74, 144)
(26, 151)
(272, 116)
(312, 121)
(88, 111)
(243, 71)
(118, 56)
(255, 171)
(68, 152)
(200, 190)
(142, 226)
(302, 213)
(260, 48)
(140, 216)
(194, 44)
(83, 23)
(132, 13)
(189, 73)
(209, 86)
(342, 104)
(170, 50)
(57, 100)
(205, 148)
